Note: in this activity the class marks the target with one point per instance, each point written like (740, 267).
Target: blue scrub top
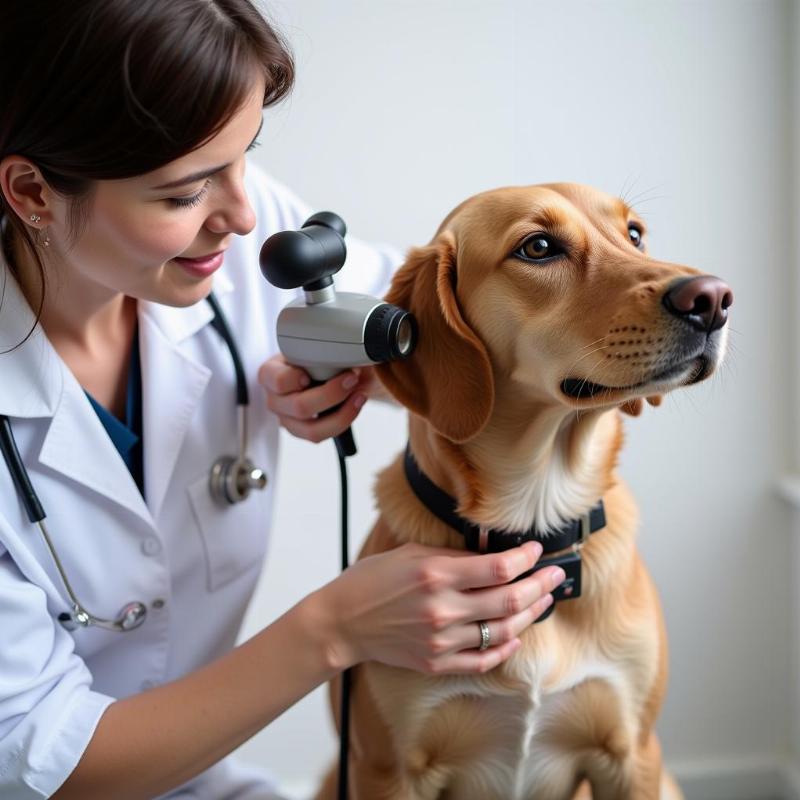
(127, 435)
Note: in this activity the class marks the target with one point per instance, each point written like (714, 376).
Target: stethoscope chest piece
(233, 478)
(131, 616)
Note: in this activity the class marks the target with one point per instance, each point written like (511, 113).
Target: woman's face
(160, 236)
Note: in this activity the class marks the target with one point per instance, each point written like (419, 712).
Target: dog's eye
(539, 248)
(635, 234)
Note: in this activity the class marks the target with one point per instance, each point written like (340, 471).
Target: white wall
(403, 109)
(793, 479)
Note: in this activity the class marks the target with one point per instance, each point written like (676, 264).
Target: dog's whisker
(636, 199)
(585, 355)
(596, 341)
(596, 350)
(642, 199)
(625, 188)
(584, 382)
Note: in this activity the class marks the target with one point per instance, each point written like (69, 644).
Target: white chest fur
(503, 736)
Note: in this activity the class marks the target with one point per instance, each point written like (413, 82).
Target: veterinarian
(124, 202)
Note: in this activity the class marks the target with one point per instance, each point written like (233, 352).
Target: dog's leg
(646, 780)
(669, 787)
(372, 772)
(365, 783)
(584, 792)
(647, 769)
(328, 789)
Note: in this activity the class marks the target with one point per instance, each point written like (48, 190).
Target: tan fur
(571, 714)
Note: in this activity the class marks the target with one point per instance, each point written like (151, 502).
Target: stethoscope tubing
(22, 481)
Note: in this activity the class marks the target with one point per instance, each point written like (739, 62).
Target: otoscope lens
(405, 337)
(390, 333)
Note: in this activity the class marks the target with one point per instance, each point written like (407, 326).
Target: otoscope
(326, 332)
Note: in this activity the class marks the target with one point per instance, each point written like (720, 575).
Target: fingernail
(350, 381)
(359, 400)
(546, 601)
(305, 381)
(558, 576)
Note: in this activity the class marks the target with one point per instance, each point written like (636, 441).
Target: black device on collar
(480, 540)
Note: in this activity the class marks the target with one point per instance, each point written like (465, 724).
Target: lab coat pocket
(234, 536)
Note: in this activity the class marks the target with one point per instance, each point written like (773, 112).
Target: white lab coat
(199, 561)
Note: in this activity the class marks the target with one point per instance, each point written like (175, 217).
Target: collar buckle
(585, 529)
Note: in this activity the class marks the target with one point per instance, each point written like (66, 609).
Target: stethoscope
(231, 480)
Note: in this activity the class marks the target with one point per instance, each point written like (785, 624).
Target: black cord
(344, 727)
(220, 324)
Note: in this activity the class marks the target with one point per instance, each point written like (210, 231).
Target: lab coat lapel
(36, 383)
(77, 446)
(173, 384)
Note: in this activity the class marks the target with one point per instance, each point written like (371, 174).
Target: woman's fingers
(401, 607)
(306, 405)
(463, 653)
(495, 569)
(321, 428)
(504, 630)
(301, 407)
(472, 661)
(278, 376)
(512, 599)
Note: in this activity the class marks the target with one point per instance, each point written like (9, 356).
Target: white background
(402, 109)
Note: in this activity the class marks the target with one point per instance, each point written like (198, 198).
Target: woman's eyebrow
(202, 174)
(193, 178)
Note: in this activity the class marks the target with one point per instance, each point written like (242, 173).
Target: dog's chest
(501, 737)
(532, 742)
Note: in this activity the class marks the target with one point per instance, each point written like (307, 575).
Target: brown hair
(108, 89)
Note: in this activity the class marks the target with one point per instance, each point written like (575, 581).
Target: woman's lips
(204, 266)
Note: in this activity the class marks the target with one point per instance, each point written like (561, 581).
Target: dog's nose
(703, 301)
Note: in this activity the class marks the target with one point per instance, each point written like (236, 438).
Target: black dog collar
(482, 540)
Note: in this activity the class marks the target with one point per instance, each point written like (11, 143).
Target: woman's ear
(25, 189)
(448, 378)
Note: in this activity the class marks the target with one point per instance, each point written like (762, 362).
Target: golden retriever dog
(541, 317)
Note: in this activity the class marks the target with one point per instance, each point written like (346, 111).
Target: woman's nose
(233, 214)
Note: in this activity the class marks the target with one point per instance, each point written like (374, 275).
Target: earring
(46, 241)
(35, 218)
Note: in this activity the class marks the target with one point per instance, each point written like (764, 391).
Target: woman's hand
(298, 405)
(419, 607)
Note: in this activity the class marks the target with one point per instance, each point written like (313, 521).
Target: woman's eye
(190, 202)
(635, 235)
(539, 248)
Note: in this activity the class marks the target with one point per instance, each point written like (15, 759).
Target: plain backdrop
(402, 109)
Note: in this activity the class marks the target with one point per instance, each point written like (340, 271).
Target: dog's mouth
(694, 369)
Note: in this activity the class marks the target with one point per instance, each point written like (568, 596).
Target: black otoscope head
(308, 257)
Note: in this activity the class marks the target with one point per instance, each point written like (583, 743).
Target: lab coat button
(151, 546)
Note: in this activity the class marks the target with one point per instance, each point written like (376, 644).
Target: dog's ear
(448, 378)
